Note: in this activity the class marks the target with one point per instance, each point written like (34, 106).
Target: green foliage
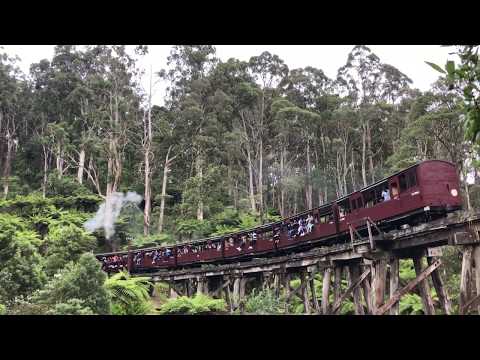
(65, 186)
(263, 302)
(65, 244)
(21, 271)
(71, 307)
(129, 294)
(83, 280)
(411, 304)
(151, 240)
(3, 309)
(199, 304)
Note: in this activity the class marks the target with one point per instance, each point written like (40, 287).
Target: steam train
(427, 190)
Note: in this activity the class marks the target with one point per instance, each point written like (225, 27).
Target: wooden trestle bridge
(370, 266)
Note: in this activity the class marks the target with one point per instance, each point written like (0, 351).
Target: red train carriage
(430, 188)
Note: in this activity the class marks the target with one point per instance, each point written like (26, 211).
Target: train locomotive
(420, 193)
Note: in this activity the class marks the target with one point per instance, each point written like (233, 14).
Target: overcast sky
(409, 59)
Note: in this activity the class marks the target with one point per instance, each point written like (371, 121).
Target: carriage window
(402, 179)
(369, 196)
(411, 178)
(344, 207)
(359, 202)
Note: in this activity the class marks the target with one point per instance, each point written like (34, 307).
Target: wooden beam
(399, 293)
(354, 285)
(243, 283)
(394, 281)
(337, 283)
(473, 302)
(326, 291)
(304, 292)
(367, 294)
(353, 271)
(379, 278)
(424, 288)
(316, 304)
(286, 289)
(465, 278)
(440, 289)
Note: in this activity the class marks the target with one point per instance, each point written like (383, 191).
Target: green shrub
(71, 307)
(3, 309)
(200, 304)
(264, 302)
(129, 295)
(83, 280)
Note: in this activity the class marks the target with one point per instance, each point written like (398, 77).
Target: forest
(236, 144)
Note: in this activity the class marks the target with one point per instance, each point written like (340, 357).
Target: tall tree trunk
(45, 170)
(250, 183)
(166, 169)
(59, 162)
(370, 152)
(200, 175)
(352, 173)
(309, 189)
(148, 171)
(364, 157)
(7, 166)
(282, 188)
(81, 165)
(260, 180)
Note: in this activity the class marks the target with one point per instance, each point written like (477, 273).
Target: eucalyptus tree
(10, 113)
(190, 97)
(269, 70)
(367, 81)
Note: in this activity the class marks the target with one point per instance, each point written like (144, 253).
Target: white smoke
(109, 211)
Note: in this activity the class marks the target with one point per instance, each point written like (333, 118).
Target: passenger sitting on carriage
(253, 239)
(386, 195)
(168, 252)
(309, 224)
(291, 231)
(395, 191)
(301, 227)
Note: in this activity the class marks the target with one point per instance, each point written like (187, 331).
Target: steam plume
(109, 211)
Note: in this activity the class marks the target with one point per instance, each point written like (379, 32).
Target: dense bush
(65, 244)
(21, 264)
(71, 307)
(264, 302)
(3, 309)
(83, 280)
(200, 304)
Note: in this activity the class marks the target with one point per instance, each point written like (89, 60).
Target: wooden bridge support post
(439, 288)
(304, 291)
(228, 296)
(200, 286)
(236, 293)
(316, 305)
(394, 281)
(276, 284)
(466, 277)
(326, 291)
(337, 283)
(353, 275)
(367, 293)
(476, 259)
(243, 284)
(286, 289)
(379, 277)
(424, 288)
